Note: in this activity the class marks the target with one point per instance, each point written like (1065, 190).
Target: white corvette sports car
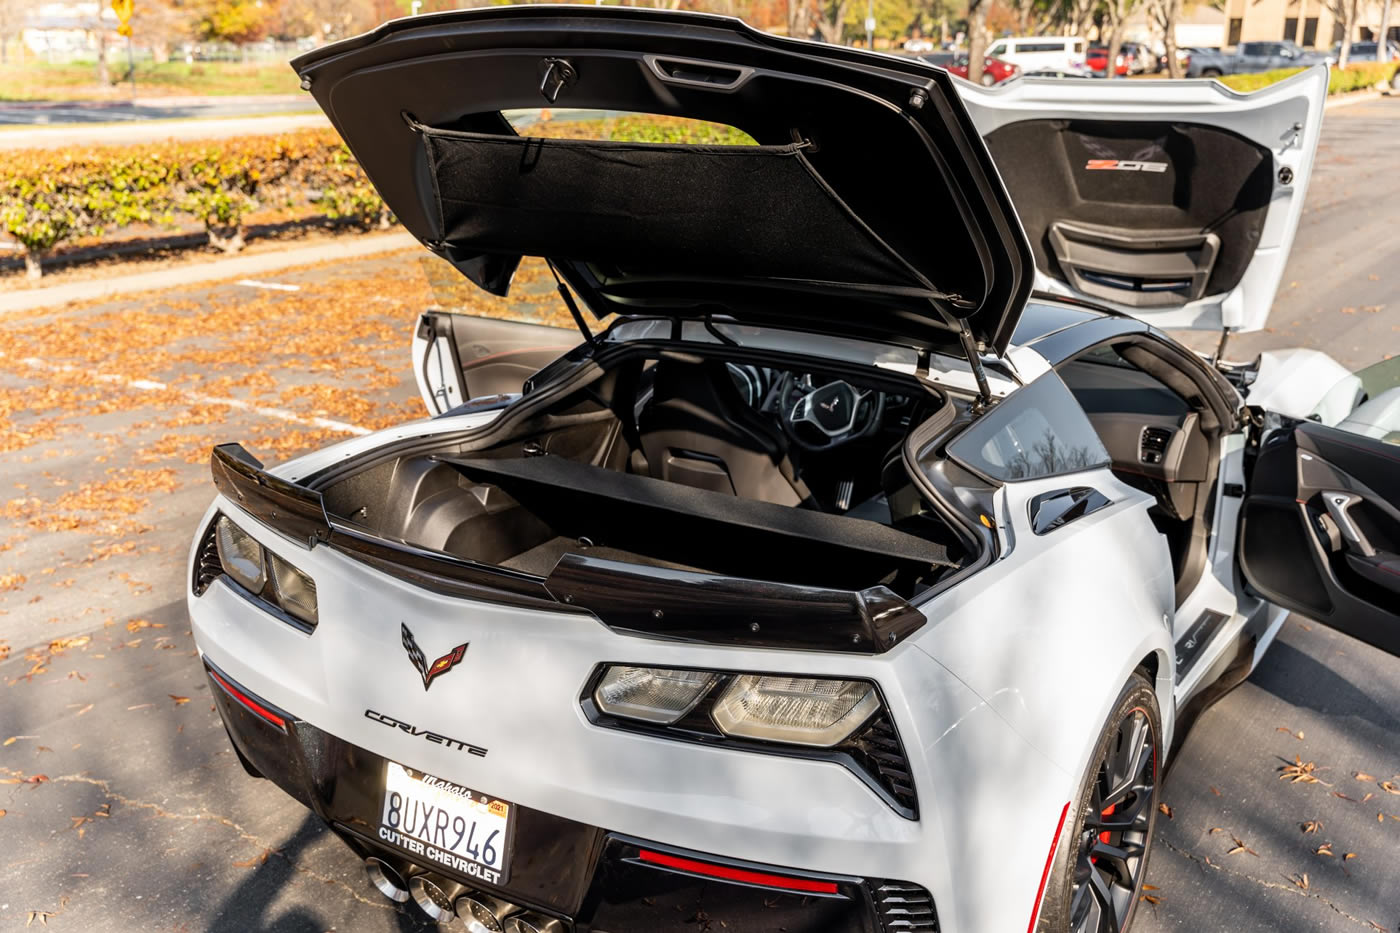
(857, 561)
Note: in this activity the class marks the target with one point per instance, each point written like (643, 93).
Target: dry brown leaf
(1165, 811)
(1389, 787)
(1348, 856)
(1363, 776)
(1216, 829)
(1214, 791)
(179, 701)
(1324, 849)
(85, 709)
(1301, 881)
(1311, 826)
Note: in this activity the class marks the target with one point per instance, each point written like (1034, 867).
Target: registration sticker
(454, 826)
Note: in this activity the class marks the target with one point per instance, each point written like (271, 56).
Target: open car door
(473, 345)
(1173, 201)
(1320, 528)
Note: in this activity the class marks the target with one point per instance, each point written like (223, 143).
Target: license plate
(454, 826)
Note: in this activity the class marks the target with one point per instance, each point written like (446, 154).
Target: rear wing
(698, 607)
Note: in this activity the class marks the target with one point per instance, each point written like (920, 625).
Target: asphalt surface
(125, 809)
(148, 109)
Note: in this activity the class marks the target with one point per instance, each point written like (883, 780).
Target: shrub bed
(48, 197)
(1356, 76)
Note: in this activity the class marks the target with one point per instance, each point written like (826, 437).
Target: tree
(235, 21)
(12, 16)
(1383, 37)
(831, 20)
(161, 24)
(1117, 12)
(976, 39)
(1166, 13)
(1344, 11)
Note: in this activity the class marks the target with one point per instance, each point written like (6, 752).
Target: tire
(987, 79)
(1210, 73)
(1081, 881)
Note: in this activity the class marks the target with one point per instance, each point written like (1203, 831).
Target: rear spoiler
(688, 606)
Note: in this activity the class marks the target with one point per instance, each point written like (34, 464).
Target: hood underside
(870, 206)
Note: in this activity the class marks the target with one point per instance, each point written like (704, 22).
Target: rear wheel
(1210, 72)
(1101, 860)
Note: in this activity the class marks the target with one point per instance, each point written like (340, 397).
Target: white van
(1041, 53)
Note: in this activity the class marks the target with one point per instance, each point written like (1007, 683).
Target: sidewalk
(235, 267)
(142, 131)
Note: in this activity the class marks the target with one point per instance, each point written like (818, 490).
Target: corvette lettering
(420, 661)
(1124, 165)
(434, 737)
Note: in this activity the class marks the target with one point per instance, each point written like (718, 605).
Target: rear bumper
(587, 876)
(350, 700)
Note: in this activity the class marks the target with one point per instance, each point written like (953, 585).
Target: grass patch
(41, 81)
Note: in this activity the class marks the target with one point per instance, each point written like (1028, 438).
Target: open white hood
(1173, 201)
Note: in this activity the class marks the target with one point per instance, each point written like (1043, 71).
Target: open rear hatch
(1173, 201)
(869, 207)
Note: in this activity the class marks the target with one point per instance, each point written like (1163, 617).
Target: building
(1307, 22)
(1200, 25)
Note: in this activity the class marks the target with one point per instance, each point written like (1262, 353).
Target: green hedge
(1357, 76)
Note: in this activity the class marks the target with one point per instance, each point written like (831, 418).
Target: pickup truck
(1250, 57)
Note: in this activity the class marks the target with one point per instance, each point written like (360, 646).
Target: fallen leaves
(1363, 776)
(255, 860)
(179, 700)
(1165, 811)
(1241, 847)
(1389, 787)
(11, 581)
(1284, 729)
(1311, 826)
(1301, 772)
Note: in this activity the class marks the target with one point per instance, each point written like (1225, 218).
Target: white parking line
(276, 286)
(150, 385)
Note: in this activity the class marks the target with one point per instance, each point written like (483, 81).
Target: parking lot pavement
(124, 807)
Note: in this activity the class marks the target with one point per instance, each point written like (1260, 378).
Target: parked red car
(994, 71)
(1097, 60)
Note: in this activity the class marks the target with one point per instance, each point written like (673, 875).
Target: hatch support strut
(974, 359)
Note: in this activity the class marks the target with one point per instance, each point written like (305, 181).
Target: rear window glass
(1038, 431)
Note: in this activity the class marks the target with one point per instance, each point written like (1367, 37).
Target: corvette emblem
(831, 405)
(429, 671)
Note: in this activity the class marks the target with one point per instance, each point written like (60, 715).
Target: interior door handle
(1339, 506)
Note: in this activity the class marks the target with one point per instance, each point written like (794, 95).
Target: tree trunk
(230, 239)
(32, 268)
(102, 77)
(976, 39)
(832, 24)
(1348, 8)
(1171, 12)
(1383, 40)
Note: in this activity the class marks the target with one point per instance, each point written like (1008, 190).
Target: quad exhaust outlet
(444, 900)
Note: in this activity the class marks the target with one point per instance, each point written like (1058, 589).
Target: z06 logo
(1124, 165)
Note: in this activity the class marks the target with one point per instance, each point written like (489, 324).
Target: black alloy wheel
(1101, 862)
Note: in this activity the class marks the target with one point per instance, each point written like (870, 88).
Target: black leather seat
(697, 430)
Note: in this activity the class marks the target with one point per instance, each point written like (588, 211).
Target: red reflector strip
(738, 874)
(1045, 875)
(252, 705)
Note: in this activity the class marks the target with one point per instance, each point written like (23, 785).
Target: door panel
(1320, 529)
(458, 357)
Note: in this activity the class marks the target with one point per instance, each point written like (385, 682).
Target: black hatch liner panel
(869, 173)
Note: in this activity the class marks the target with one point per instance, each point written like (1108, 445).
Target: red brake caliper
(1103, 836)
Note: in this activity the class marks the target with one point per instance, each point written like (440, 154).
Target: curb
(236, 267)
(1356, 97)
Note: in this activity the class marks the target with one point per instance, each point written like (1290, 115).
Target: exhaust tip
(434, 896)
(484, 913)
(386, 879)
(533, 923)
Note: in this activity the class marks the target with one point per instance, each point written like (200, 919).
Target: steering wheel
(832, 410)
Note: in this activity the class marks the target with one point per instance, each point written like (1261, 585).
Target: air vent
(1153, 447)
(903, 907)
(207, 567)
(879, 750)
